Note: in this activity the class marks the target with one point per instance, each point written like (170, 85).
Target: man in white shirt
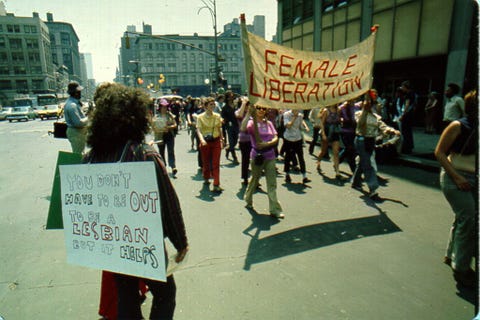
(454, 105)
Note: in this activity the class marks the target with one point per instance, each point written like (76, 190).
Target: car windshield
(7, 109)
(20, 109)
(51, 107)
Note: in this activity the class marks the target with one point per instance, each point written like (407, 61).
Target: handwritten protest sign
(111, 217)
(281, 77)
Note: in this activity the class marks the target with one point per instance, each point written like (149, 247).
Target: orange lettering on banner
(285, 91)
(274, 89)
(313, 92)
(348, 65)
(250, 90)
(301, 91)
(283, 64)
(291, 92)
(323, 67)
(331, 74)
(267, 62)
(302, 71)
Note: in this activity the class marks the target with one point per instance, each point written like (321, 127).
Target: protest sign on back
(112, 218)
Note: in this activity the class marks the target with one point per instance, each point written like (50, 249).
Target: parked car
(21, 113)
(50, 111)
(5, 112)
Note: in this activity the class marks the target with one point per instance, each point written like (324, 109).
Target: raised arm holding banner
(281, 77)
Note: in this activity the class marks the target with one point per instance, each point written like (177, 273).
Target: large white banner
(281, 77)
(112, 219)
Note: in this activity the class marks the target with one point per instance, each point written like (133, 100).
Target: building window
(18, 57)
(19, 70)
(37, 84)
(65, 39)
(1, 28)
(192, 67)
(15, 43)
(2, 43)
(4, 70)
(5, 85)
(36, 70)
(32, 43)
(34, 57)
(22, 85)
(9, 28)
(184, 67)
(33, 29)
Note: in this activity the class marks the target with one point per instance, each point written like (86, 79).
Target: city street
(336, 255)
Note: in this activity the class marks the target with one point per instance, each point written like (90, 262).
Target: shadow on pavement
(418, 176)
(297, 187)
(205, 193)
(310, 237)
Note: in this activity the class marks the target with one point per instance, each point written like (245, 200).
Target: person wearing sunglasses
(264, 138)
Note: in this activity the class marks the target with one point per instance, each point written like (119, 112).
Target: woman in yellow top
(209, 131)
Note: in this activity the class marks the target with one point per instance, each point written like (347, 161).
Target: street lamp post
(211, 6)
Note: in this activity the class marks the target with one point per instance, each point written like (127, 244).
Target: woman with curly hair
(117, 133)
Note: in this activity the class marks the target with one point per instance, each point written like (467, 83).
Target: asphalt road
(337, 255)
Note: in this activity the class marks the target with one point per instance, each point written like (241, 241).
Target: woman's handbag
(259, 158)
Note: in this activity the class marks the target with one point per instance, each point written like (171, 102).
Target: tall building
(64, 43)
(25, 58)
(259, 26)
(186, 62)
(427, 42)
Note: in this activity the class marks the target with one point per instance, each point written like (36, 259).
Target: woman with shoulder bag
(456, 152)
(209, 131)
(263, 138)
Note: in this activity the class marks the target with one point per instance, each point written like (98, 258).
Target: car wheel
(9, 120)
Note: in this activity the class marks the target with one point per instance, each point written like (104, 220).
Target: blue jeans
(365, 166)
(461, 245)
(169, 141)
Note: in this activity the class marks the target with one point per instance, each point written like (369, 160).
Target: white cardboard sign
(112, 219)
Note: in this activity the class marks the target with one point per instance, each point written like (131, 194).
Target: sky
(100, 24)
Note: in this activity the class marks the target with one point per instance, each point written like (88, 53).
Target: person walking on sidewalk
(368, 128)
(293, 143)
(348, 125)
(330, 117)
(263, 138)
(230, 124)
(457, 153)
(164, 127)
(244, 140)
(314, 117)
(209, 131)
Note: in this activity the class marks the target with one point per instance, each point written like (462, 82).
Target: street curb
(417, 162)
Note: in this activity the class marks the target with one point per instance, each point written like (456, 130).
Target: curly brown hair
(120, 114)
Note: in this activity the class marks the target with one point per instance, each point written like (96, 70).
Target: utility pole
(211, 6)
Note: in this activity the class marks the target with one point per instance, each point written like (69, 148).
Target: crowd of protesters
(354, 130)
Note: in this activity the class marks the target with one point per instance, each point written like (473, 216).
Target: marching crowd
(353, 130)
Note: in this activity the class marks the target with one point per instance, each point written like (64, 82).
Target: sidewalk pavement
(422, 155)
